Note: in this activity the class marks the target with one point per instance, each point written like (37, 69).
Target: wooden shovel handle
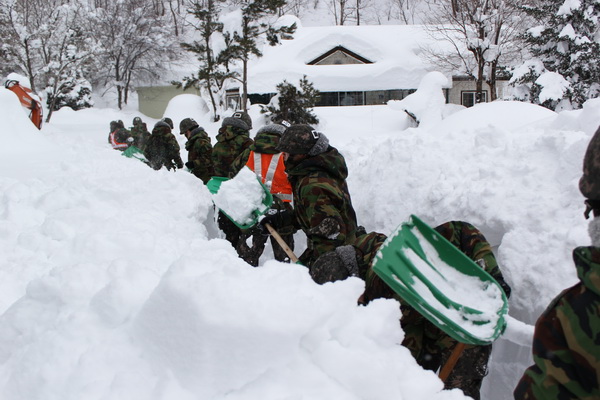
(282, 243)
(452, 360)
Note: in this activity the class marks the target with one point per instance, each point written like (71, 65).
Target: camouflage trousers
(431, 348)
(231, 231)
(251, 254)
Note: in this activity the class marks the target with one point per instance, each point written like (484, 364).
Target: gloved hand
(190, 165)
(277, 218)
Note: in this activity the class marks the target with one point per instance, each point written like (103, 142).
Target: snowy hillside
(114, 283)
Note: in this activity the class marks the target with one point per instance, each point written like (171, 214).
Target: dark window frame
(472, 93)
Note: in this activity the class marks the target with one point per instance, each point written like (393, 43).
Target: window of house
(328, 99)
(352, 98)
(469, 98)
(260, 98)
(232, 98)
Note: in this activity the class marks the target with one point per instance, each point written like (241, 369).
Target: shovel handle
(282, 243)
(452, 360)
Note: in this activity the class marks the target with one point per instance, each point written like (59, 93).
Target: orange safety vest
(113, 142)
(271, 170)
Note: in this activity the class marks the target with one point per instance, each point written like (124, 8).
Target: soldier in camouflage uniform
(266, 161)
(119, 137)
(140, 133)
(162, 148)
(429, 345)
(322, 205)
(199, 149)
(566, 340)
(233, 138)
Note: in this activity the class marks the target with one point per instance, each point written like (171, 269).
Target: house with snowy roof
(352, 65)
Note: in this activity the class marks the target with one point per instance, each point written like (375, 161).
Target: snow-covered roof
(395, 51)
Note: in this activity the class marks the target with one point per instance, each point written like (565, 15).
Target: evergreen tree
(292, 104)
(70, 91)
(246, 41)
(566, 43)
(213, 69)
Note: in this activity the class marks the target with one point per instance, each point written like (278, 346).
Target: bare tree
(134, 43)
(482, 33)
(340, 9)
(27, 30)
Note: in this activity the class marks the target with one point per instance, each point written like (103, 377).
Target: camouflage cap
(589, 184)
(272, 128)
(239, 119)
(303, 139)
(187, 124)
(162, 123)
(169, 122)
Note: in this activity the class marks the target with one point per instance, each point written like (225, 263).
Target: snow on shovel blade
(243, 199)
(442, 283)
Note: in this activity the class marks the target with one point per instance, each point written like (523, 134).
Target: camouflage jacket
(140, 136)
(264, 143)
(200, 154)
(566, 344)
(162, 149)
(322, 204)
(231, 143)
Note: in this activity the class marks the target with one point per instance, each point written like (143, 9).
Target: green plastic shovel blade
(442, 283)
(214, 184)
(134, 152)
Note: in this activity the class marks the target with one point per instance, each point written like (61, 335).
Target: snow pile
(241, 197)
(425, 105)
(111, 287)
(115, 282)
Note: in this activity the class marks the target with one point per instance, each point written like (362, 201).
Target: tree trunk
(29, 66)
(174, 19)
(245, 84)
(52, 103)
(120, 97)
(214, 103)
(491, 81)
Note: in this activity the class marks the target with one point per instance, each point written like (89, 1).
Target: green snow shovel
(442, 283)
(134, 152)
(214, 184)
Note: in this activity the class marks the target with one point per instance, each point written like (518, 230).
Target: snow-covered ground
(115, 283)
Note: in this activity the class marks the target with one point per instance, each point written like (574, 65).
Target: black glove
(190, 165)
(276, 218)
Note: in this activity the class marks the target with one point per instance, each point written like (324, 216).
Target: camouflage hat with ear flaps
(303, 139)
(187, 124)
(589, 184)
(239, 119)
(272, 128)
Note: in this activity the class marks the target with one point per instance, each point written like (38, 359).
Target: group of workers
(307, 177)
